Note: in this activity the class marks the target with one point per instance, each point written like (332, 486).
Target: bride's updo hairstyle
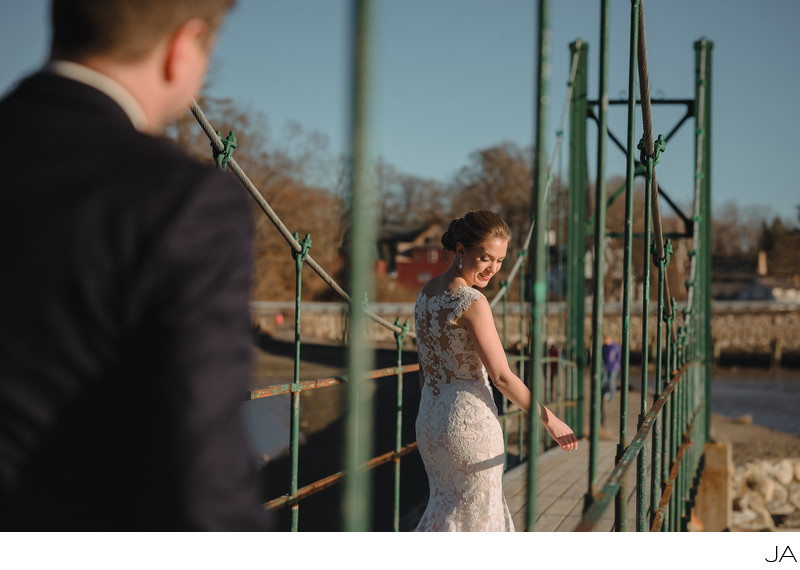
(475, 228)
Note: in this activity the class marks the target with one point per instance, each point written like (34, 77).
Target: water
(267, 421)
(772, 400)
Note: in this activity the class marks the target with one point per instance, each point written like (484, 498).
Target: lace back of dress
(445, 347)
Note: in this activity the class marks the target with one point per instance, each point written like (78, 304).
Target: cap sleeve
(464, 297)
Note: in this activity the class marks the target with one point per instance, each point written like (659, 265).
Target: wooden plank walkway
(561, 488)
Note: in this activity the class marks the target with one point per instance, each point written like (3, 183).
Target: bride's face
(480, 263)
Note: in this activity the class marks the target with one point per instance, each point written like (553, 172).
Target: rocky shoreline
(766, 477)
(767, 496)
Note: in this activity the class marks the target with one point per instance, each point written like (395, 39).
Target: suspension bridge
(645, 479)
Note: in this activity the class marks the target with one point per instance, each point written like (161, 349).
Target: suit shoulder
(162, 160)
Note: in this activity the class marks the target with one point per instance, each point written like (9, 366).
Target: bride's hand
(561, 433)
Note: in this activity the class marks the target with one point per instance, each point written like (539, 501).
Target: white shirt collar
(104, 83)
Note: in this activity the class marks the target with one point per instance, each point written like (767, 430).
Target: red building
(418, 264)
(413, 254)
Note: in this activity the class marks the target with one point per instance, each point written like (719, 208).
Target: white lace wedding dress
(459, 435)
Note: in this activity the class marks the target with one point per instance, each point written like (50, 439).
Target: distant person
(612, 355)
(458, 431)
(124, 326)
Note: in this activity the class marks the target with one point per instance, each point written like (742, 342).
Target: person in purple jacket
(611, 359)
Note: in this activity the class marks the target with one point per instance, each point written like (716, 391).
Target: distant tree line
(306, 186)
(740, 234)
(781, 244)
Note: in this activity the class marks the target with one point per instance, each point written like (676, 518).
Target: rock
(794, 494)
(754, 514)
(742, 519)
(779, 504)
(783, 471)
(746, 419)
(797, 470)
(760, 482)
(791, 522)
(738, 483)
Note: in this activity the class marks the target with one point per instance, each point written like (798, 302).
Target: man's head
(125, 30)
(158, 49)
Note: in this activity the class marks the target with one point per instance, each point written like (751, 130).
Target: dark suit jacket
(124, 327)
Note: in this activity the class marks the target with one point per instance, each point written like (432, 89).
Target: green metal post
(538, 278)
(703, 172)
(655, 479)
(682, 423)
(504, 287)
(599, 244)
(676, 514)
(667, 433)
(627, 272)
(522, 347)
(671, 451)
(398, 434)
(641, 475)
(545, 395)
(564, 377)
(294, 442)
(707, 183)
(358, 428)
(521, 424)
(576, 243)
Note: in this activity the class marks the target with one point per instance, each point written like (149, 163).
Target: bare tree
(298, 178)
(781, 245)
(407, 199)
(497, 178)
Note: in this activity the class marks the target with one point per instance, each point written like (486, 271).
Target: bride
(459, 434)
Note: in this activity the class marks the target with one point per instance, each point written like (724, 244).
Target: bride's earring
(460, 263)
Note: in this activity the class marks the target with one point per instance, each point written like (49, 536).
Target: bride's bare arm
(479, 322)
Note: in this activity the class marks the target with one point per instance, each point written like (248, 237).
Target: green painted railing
(667, 449)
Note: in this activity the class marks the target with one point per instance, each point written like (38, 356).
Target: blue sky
(454, 76)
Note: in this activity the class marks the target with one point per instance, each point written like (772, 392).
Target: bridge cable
(276, 221)
(649, 146)
(559, 138)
